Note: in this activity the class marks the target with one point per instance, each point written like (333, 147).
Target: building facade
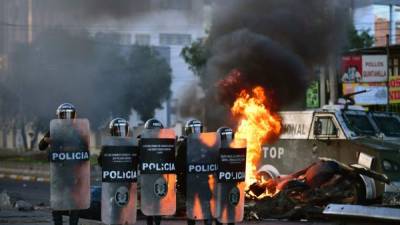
(379, 18)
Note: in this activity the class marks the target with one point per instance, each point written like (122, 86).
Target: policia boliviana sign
(157, 172)
(119, 160)
(232, 165)
(119, 164)
(231, 182)
(157, 156)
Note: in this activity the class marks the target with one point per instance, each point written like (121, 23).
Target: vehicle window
(389, 125)
(327, 126)
(359, 124)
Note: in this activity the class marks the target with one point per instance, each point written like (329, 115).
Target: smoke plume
(92, 10)
(274, 43)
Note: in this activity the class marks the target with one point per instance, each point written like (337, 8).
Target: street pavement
(30, 191)
(37, 193)
(42, 217)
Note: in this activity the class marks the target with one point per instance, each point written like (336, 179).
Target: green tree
(102, 79)
(196, 56)
(359, 39)
(149, 80)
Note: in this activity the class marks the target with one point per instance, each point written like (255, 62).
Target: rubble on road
(5, 202)
(23, 205)
(305, 194)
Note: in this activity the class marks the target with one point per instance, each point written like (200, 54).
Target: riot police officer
(118, 127)
(153, 124)
(191, 127)
(226, 135)
(119, 193)
(64, 111)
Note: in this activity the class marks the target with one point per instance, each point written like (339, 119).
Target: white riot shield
(119, 157)
(231, 181)
(69, 164)
(201, 168)
(157, 172)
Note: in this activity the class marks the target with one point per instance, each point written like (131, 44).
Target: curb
(24, 177)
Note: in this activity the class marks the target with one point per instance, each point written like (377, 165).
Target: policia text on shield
(204, 159)
(69, 142)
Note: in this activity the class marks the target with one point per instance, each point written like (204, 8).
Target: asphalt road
(38, 192)
(30, 191)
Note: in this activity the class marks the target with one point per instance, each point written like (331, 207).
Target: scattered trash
(391, 198)
(5, 200)
(23, 205)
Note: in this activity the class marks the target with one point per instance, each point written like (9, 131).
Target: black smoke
(275, 44)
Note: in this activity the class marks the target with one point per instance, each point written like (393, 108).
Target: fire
(257, 124)
(211, 185)
(208, 139)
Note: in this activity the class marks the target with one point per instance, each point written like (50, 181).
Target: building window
(114, 37)
(142, 39)
(176, 4)
(175, 39)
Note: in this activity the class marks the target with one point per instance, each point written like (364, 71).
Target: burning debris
(308, 191)
(257, 124)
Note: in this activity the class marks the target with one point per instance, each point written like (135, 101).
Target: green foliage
(196, 56)
(150, 79)
(359, 39)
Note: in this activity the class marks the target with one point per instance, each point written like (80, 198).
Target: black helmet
(153, 124)
(66, 111)
(193, 127)
(226, 133)
(119, 127)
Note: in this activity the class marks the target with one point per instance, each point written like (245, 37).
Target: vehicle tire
(357, 193)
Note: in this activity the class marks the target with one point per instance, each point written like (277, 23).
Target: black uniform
(57, 214)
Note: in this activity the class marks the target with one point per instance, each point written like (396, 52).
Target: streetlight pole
(387, 73)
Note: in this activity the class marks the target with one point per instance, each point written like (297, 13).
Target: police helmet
(119, 127)
(66, 111)
(226, 133)
(153, 124)
(193, 127)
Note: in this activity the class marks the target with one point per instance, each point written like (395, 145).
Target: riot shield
(231, 181)
(201, 167)
(157, 172)
(119, 157)
(69, 164)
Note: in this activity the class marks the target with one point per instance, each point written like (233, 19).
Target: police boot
(157, 220)
(73, 217)
(207, 222)
(57, 217)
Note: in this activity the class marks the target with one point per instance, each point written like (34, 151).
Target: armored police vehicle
(348, 134)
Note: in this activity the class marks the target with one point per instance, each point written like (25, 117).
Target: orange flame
(197, 210)
(211, 185)
(208, 139)
(257, 124)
